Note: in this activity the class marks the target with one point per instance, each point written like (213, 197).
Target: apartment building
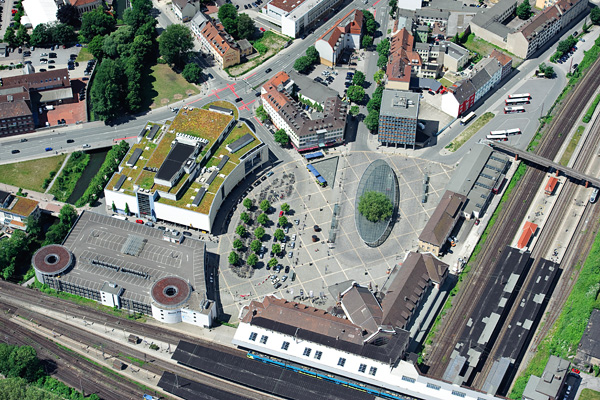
(185, 9)
(344, 34)
(220, 45)
(403, 61)
(459, 98)
(398, 118)
(326, 129)
(505, 61)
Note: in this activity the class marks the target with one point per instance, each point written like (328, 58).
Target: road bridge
(542, 161)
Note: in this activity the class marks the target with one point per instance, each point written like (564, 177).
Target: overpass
(542, 161)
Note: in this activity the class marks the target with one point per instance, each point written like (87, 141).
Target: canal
(96, 159)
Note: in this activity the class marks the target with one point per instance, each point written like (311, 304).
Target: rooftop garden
(201, 123)
(145, 180)
(223, 104)
(179, 184)
(216, 184)
(236, 133)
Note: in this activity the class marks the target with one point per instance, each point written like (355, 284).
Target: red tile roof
(501, 57)
(350, 23)
(551, 185)
(402, 57)
(528, 230)
(216, 38)
(279, 79)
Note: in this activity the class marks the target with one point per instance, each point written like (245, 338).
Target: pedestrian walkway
(58, 173)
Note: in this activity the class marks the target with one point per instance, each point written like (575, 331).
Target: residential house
(198, 23)
(459, 98)
(220, 45)
(185, 10)
(481, 80)
(14, 210)
(403, 61)
(344, 34)
(505, 61)
(455, 57)
(83, 6)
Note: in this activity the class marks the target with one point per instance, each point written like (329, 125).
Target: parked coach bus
(503, 138)
(467, 118)
(515, 109)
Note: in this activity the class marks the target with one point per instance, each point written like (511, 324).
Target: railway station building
(434, 235)
(131, 266)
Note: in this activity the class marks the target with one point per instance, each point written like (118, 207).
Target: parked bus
(498, 133)
(515, 109)
(515, 131)
(512, 102)
(519, 96)
(465, 120)
(504, 138)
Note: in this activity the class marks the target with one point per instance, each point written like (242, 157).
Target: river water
(96, 159)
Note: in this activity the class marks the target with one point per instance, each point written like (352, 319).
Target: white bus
(515, 131)
(497, 133)
(121, 217)
(512, 102)
(466, 119)
(519, 96)
(516, 109)
(504, 138)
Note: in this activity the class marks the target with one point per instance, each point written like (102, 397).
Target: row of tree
(304, 63)
(370, 29)
(125, 55)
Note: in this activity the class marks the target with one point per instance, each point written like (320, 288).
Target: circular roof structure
(170, 292)
(53, 259)
(378, 177)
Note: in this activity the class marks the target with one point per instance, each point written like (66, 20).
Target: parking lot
(40, 59)
(319, 265)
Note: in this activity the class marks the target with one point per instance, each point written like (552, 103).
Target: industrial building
(131, 266)
(398, 118)
(183, 171)
(478, 177)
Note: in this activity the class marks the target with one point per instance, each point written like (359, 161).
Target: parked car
(139, 221)
(85, 146)
(70, 141)
(290, 254)
(48, 148)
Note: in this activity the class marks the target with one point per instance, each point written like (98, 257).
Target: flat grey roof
(99, 237)
(240, 143)
(120, 182)
(134, 157)
(397, 103)
(309, 88)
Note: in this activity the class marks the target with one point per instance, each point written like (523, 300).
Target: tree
(276, 248)
(238, 244)
(255, 245)
(108, 89)
(117, 43)
(114, 207)
(265, 205)
(285, 207)
(96, 22)
(227, 11)
(233, 258)
(261, 114)
(68, 14)
(595, 16)
(367, 41)
(64, 34)
(375, 206)
(252, 260)
(279, 235)
(10, 38)
(247, 203)
(370, 24)
(549, 72)
(175, 43)
(302, 64)
(354, 110)
(382, 61)
(240, 230)
(138, 14)
(359, 78)
(22, 36)
(273, 262)
(393, 6)
(372, 121)
(355, 93)
(96, 47)
(40, 35)
(192, 72)
(230, 26)
(282, 137)
(383, 47)
(524, 10)
(263, 219)
(245, 217)
(127, 208)
(259, 232)
(282, 221)
(313, 55)
(379, 76)
(245, 27)
(374, 104)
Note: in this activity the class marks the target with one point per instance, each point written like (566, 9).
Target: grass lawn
(167, 87)
(589, 394)
(84, 55)
(224, 104)
(201, 123)
(30, 174)
(274, 44)
(571, 147)
(470, 131)
(484, 48)
(445, 82)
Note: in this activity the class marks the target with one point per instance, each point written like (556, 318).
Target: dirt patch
(164, 101)
(178, 96)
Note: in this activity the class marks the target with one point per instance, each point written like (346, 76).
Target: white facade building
(296, 16)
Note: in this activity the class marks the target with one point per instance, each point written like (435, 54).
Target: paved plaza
(320, 265)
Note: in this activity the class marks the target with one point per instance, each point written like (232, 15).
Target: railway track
(512, 213)
(71, 369)
(576, 252)
(113, 350)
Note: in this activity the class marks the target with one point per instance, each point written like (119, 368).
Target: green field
(84, 55)
(564, 160)
(589, 394)
(30, 174)
(166, 87)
